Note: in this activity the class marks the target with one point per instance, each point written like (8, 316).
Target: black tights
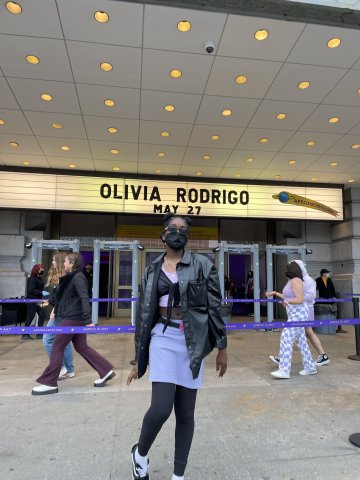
(164, 397)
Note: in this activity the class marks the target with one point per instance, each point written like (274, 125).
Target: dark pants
(93, 358)
(164, 397)
(31, 309)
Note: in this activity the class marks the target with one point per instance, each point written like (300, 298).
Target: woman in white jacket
(309, 297)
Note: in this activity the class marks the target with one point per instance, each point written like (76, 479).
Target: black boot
(39, 336)
(26, 336)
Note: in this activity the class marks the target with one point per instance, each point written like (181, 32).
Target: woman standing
(73, 307)
(56, 271)
(35, 289)
(296, 309)
(179, 323)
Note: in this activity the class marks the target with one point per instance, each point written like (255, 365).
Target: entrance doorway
(238, 268)
(104, 279)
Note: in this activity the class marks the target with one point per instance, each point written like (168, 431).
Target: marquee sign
(121, 195)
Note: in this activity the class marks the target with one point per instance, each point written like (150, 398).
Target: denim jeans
(48, 340)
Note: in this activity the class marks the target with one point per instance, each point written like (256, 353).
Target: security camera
(209, 46)
(308, 251)
(28, 245)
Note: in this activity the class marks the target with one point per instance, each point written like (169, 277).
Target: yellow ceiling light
(13, 7)
(263, 140)
(334, 120)
(161, 154)
(351, 180)
(261, 35)
(303, 85)
(292, 162)
(314, 179)
(13, 144)
(158, 170)
(116, 169)
(114, 151)
(32, 59)
(72, 165)
(66, 148)
(106, 67)
(311, 143)
(25, 162)
(112, 130)
(333, 164)
(355, 146)
(109, 103)
(237, 175)
(281, 116)
(2, 122)
(249, 159)
(333, 42)
(56, 125)
(184, 26)
(46, 97)
(277, 177)
(198, 174)
(241, 79)
(206, 157)
(215, 137)
(165, 134)
(226, 112)
(175, 73)
(169, 108)
(101, 16)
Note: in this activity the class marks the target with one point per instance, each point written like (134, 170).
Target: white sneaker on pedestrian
(280, 374)
(100, 382)
(275, 360)
(63, 373)
(44, 390)
(70, 374)
(308, 372)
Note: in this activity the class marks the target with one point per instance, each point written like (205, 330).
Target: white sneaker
(275, 360)
(70, 374)
(63, 373)
(280, 374)
(43, 390)
(308, 372)
(100, 382)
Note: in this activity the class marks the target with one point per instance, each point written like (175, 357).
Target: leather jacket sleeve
(216, 322)
(139, 314)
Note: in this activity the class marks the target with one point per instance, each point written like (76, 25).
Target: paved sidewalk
(248, 425)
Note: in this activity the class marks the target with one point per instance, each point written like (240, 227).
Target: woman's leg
(93, 358)
(303, 346)
(68, 360)
(184, 405)
(286, 349)
(162, 401)
(30, 313)
(314, 340)
(41, 313)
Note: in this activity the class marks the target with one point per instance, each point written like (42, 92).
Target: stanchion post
(355, 301)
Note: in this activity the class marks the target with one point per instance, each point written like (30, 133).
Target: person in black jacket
(326, 289)
(35, 289)
(73, 307)
(179, 322)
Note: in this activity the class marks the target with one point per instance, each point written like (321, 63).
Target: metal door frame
(99, 245)
(240, 249)
(279, 250)
(38, 246)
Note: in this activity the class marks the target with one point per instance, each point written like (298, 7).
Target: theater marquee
(97, 194)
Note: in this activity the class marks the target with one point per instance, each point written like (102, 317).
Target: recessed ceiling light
(56, 125)
(165, 134)
(13, 144)
(116, 169)
(351, 180)
(109, 103)
(72, 165)
(206, 157)
(215, 137)
(101, 16)
(175, 73)
(112, 130)
(303, 85)
(314, 179)
(292, 162)
(333, 164)
(65, 148)
(263, 140)
(241, 79)
(114, 151)
(281, 116)
(158, 170)
(169, 108)
(333, 42)
(161, 154)
(226, 112)
(311, 143)
(25, 162)
(2, 122)
(333, 120)
(199, 174)
(46, 97)
(13, 7)
(107, 67)
(32, 59)
(277, 177)
(184, 26)
(237, 175)
(249, 159)
(355, 146)
(261, 34)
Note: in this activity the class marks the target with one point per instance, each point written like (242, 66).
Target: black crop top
(166, 287)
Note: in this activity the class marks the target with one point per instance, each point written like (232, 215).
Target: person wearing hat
(326, 289)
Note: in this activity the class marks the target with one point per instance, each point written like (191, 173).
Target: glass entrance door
(122, 282)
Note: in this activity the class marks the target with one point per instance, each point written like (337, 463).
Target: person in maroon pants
(73, 307)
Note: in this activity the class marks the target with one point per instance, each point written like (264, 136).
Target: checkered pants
(295, 313)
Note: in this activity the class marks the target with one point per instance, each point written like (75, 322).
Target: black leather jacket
(72, 299)
(200, 297)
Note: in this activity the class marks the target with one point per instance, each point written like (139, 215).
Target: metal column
(38, 246)
(279, 250)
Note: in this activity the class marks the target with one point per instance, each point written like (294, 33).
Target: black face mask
(41, 272)
(176, 240)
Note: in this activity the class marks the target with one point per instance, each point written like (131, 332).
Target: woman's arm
(80, 285)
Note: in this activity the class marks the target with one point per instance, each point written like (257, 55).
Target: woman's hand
(133, 375)
(221, 361)
(270, 294)
(90, 325)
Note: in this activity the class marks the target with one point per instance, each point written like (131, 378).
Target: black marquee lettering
(155, 194)
(105, 190)
(181, 195)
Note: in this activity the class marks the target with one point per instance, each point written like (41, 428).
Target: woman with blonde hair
(55, 272)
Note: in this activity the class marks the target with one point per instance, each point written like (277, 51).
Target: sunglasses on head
(174, 229)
